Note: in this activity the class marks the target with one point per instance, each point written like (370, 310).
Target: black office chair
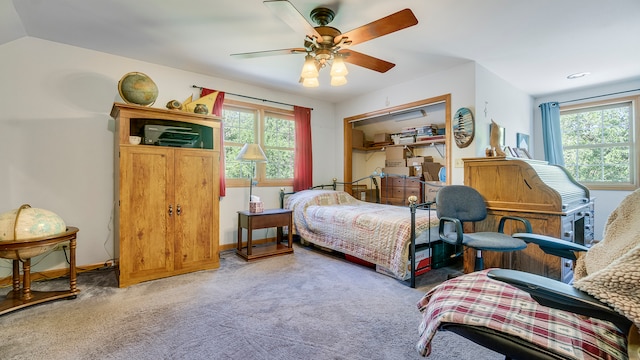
(527, 316)
(458, 204)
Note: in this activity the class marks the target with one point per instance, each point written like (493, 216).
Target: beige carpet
(308, 305)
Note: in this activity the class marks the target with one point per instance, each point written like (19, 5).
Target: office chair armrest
(561, 296)
(551, 245)
(458, 225)
(527, 224)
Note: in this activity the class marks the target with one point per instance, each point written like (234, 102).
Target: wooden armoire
(167, 192)
(546, 195)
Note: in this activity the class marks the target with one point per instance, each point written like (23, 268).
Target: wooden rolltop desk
(546, 195)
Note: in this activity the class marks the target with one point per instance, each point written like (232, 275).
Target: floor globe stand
(21, 295)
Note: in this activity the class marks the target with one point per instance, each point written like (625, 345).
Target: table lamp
(253, 153)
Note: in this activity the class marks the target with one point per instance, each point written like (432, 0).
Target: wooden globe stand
(21, 297)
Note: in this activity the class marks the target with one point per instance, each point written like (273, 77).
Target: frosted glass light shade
(309, 69)
(338, 68)
(311, 82)
(338, 80)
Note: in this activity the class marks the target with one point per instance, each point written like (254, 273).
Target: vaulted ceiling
(534, 45)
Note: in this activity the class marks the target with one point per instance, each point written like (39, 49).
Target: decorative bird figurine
(494, 140)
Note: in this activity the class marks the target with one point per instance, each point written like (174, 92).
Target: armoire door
(195, 233)
(147, 211)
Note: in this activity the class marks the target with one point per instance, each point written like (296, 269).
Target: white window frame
(634, 143)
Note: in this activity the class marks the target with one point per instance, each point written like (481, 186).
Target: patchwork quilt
(377, 233)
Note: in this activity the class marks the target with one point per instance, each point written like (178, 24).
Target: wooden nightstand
(269, 218)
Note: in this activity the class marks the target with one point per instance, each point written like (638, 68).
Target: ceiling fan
(325, 45)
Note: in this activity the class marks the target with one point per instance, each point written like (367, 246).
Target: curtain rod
(597, 96)
(249, 97)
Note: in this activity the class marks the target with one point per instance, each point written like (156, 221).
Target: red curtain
(217, 110)
(303, 161)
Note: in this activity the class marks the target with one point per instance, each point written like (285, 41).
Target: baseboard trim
(57, 273)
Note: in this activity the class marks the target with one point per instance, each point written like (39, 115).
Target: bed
(385, 235)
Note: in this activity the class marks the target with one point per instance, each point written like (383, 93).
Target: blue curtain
(551, 133)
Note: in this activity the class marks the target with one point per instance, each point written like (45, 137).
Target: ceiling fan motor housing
(323, 48)
(322, 16)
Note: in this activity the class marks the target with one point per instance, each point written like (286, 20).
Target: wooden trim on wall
(348, 151)
(57, 273)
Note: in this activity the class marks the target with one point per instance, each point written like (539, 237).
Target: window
(599, 143)
(273, 129)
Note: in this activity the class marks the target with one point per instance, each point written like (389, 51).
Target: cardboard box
(371, 195)
(432, 169)
(356, 189)
(256, 206)
(415, 170)
(368, 195)
(395, 153)
(406, 140)
(401, 170)
(423, 265)
(379, 138)
(357, 138)
(395, 163)
(431, 189)
(413, 161)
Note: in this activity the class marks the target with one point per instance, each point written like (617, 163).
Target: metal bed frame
(413, 207)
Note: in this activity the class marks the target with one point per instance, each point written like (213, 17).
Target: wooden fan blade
(366, 61)
(255, 54)
(290, 15)
(386, 25)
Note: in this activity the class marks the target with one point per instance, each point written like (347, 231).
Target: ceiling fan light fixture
(311, 82)
(309, 69)
(338, 80)
(338, 68)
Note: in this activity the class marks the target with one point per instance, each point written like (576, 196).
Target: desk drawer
(264, 220)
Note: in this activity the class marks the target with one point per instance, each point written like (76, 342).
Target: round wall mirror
(463, 127)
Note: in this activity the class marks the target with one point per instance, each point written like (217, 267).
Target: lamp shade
(309, 69)
(338, 80)
(338, 68)
(251, 152)
(311, 82)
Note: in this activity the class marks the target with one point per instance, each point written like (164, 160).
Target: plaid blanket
(475, 299)
(377, 233)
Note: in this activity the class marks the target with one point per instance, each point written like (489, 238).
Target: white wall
(56, 138)
(605, 200)
(470, 85)
(508, 106)
(457, 81)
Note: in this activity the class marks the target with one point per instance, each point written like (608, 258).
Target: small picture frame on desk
(522, 153)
